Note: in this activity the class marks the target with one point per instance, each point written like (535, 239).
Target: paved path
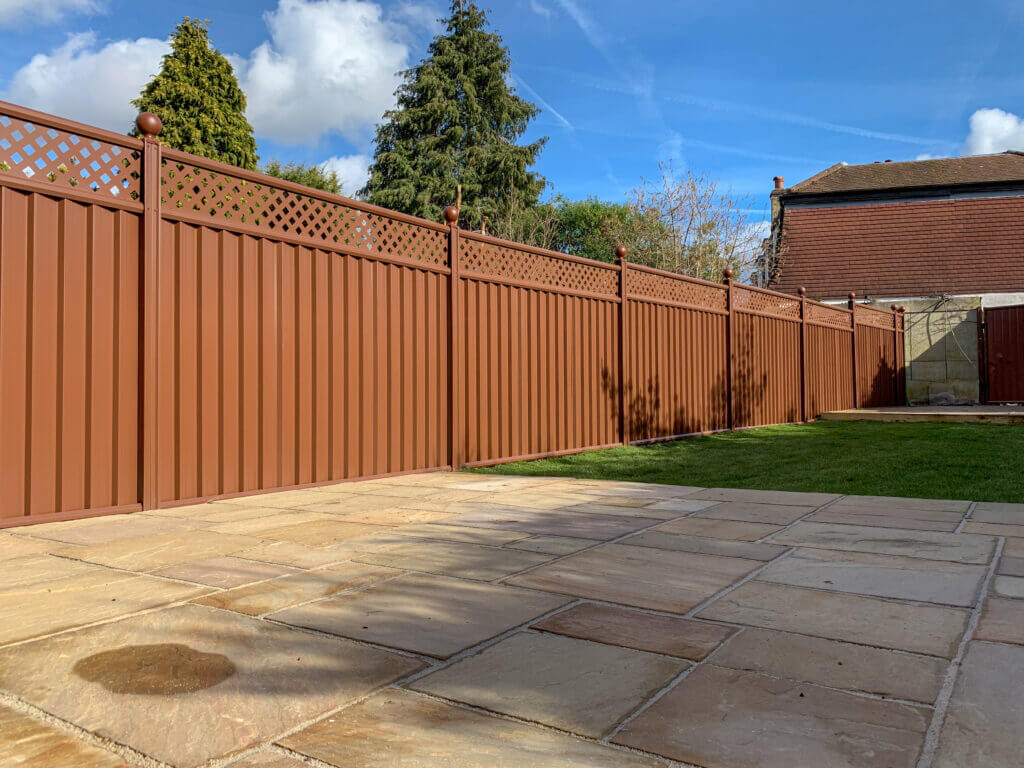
(480, 621)
(948, 414)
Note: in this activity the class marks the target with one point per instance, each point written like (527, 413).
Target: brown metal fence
(174, 329)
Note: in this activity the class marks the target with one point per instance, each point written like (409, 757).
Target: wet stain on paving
(165, 669)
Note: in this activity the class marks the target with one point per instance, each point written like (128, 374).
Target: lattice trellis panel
(677, 289)
(225, 199)
(765, 303)
(877, 318)
(48, 155)
(826, 315)
(482, 259)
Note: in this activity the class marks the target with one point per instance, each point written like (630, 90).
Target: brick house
(944, 238)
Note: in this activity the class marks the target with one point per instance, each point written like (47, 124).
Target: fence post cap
(727, 273)
(801, 291)
(149, 125)
(451, 214)
(620, 251)
(851, 295)
(901, 310)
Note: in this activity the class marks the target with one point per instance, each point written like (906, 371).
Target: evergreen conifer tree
(197, 96)
(456, 125)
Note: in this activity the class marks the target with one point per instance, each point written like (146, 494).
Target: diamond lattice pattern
(676, 289)
(46, 154)
(764, 303)
(879, 318)
(826, 315)
(267, 209)
(490, 260)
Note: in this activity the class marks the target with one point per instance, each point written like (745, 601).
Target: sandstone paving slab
(835, 664)
(586, 526)
(299, 555)
(217, 513)
(1002, 621)
(1013, 547)
(190, 684)
(552, 545)
(273, 595)
(454, 558)
(12, 546)
(540, 500)
(653, 632)
(223, 572)
(25, 741)
(1008, 586)
(639, 576)
(861, 573)
(1011, 566)
(600, 508)
(571, 684)
(151, 552)
(994, 529)
(399, 729)
(284, 499)
(983, 723)
(928, 545)
(38, 609)
(719, 529)
(994, 512)
(258, 524)
(680, 506)
(102, 530)
(320, 532)
(752, 512)
(898, 502)
(36, 569)
(683, 543)
(908, 519)
(433, 615)
(788, 498)
(725, 718)
(625, 487)
(448, 532)
(396, 516)
(269, 759)
(926, 629)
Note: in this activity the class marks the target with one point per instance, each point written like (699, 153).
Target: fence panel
(878, 337)
(829, 359)
(766, 357)
(173, 329)
(540, 351)
(69, 266)
(676, 376)
(283, 361)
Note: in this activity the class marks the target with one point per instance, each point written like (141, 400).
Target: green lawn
(940, 461)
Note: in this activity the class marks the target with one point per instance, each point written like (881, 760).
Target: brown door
(1004, 352)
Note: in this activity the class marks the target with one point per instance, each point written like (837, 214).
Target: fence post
(853, 342)
(149, 126)
(727, 274)
(455, 364)
(902, 347)
(803, 352)
(624, 425)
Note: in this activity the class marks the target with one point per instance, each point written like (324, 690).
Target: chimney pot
(779, 181)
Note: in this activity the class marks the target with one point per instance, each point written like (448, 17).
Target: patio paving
(470, 621)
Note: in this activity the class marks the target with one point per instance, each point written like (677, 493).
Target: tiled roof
(978, 169)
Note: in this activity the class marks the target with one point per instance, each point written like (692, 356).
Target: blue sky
(743, 90)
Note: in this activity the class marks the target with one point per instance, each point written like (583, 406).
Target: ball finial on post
(451, 214)
(149, 125)
(620, 252)
(851, 295)
(801, 291)
(727, 273)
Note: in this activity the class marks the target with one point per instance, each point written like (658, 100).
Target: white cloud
(352, 170)
(993, 130)
(330, 66)
(539, 9)
(85, 82)
(33, 12)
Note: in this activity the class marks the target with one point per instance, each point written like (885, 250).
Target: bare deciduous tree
(687, 223)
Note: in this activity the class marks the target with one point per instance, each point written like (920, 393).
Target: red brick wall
(902, 249)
